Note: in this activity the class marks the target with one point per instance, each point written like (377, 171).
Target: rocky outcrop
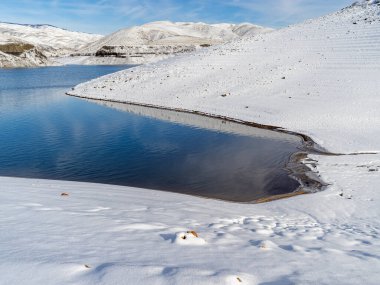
(141, 51)
(29, 45)
(15, 48)
(20, 55)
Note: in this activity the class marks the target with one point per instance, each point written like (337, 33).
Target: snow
(312, 78)
(94, 60)
(7, 60)
(155, 41)
(101, 234)
(135, 236)
(47, 41)
(31, 58)
(135, 44)
(175, 33)
(53, 40)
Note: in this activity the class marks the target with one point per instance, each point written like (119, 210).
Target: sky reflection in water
(45, 134)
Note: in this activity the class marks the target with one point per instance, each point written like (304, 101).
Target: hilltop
(157, 40)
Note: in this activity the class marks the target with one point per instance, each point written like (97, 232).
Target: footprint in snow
(264, 244)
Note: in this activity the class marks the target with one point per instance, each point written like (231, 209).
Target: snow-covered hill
(37, 42)
(157, 40)
(52, 40)
(164, 32)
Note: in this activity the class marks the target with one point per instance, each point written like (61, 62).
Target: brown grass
(15, 48)
(193, 233)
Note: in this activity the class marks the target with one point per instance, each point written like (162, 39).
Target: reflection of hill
(198, 121)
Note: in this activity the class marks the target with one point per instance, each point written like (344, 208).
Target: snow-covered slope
(320, 78)
(53, 40)
(154, 41)
(102, 234)
(141, 44)
(30, 58)
(31, 45)
(165, 32)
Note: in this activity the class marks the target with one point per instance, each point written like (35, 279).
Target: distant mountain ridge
(26, 45)
(176, 33)
(32, 25)
(52, 40)
(37, 26)
(157, 40)
(134, 45)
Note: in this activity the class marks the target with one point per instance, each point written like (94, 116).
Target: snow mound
(189, 238)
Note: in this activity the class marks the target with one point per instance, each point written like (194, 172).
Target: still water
(46, 134)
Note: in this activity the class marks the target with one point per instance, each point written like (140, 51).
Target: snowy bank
(101, 234)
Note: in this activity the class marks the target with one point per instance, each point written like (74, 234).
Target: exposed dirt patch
(15, 48)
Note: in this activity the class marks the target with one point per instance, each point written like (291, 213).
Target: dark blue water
(46, 134)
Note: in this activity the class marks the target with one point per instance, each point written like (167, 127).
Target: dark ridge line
(36, 26)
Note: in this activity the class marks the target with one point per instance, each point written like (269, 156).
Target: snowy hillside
(175, 33)
(52, 40)
(157, 40)
(31, 45)
(141, 44)
(29, 58)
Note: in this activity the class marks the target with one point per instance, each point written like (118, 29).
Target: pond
(47, 134)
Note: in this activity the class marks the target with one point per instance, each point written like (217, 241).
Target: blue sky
(106, 16)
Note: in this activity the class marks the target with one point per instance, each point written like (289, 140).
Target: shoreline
(308, 180)
(307, 140)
